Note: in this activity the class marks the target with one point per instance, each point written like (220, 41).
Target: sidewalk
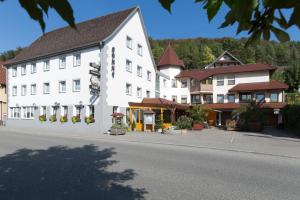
(213, 138)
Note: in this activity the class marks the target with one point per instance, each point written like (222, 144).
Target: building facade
(75, 75)
(3, 95)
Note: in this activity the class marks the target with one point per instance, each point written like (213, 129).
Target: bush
(42, 118)
(52, 118)
(159, 125)
(76, 119)
(89, 119)
(184, 122)
(291, 118)
(63, 119)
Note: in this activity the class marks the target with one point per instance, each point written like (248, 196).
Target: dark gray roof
(88, 33)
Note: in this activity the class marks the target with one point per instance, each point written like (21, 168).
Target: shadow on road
(64, 173)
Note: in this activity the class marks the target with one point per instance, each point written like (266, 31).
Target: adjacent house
(223, 86)
(70, 75)
(3, 97)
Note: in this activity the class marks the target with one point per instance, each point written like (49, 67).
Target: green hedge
(291, 118)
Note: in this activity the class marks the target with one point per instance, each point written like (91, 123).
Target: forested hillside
(198, 52)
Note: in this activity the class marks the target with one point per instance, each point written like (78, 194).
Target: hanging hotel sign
(95, 79)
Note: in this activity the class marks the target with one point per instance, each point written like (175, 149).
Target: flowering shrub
(76, 119)
(63, 119)
(89, 119)
(52, 118)
(42, 118)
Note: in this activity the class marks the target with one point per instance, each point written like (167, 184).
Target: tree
(258, 17)
(206, 56)
(292, 76)
(7, 55)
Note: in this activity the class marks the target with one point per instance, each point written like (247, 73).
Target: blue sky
(187, 20)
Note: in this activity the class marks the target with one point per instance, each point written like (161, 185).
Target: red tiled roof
(231, 106)
(271, 85)
(205, 73)
(2, 74)
(158, 102)
(169, 57)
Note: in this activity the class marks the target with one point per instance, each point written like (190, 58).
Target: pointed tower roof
(169, 57)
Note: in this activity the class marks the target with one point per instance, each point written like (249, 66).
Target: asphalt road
(44, 167)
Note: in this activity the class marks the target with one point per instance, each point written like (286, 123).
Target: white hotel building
(53, 75)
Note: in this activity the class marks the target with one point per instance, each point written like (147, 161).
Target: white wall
(116, 93)
(53, 77)
(250, 77)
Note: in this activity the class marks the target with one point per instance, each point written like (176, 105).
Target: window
(78, 111)
(15, 112)
(148, 75)
(129, 42)
(14, 71)
(23, 70)
(33, 89)
(220, 98)
(174, 98)
(184, 99)
(64, 111)
(62, 63)
(165, 83)
(76, 85)
(28, 113)
(128, 66)
(174, 83)
(46, 65)
(128, 89)
(139, 71)
(14, 90)
(260, 97)
(77, 59)
(115, 109)
(220, 80)
(195, 99)
(183, 83)
(46, 88)
(140, 50)
(139, 92)
(23, 90)
(148, 94)
(231, 80)
(274, 97)
(43, 110)
(245, 97)
(54, 110)
(208, 98)
(231, 98)
(91, 111)
(62, 88)
(33, 68)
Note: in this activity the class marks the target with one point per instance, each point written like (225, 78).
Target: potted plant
(251, 117)
(76, 119)
(198, 113)
(89, 119)
(42, 118)
(231, 125)
(184, 123)
(118, 129)
(52, 118)
(159, 126)
(63, 119)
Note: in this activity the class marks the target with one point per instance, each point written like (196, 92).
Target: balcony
(201, 88)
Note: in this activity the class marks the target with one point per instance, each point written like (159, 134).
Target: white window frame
(62, 65)
(74, 85)
(183, 97)
(44, 88)
(231, 79)
(129, 65)
(23, 70)
(220, 80)
(129, 42)
(27, 112)
(128, 89)
(174, 83)
(43, 110)
(139, 92)
(15, 112)
(14, 90)
(186, 83)
(14, 72)
(33, 68)
(23, 90)
(139, 71)
(220, 95)
(46, 67)
(139, 49)
(149, 75)
(31, 89)
(60, 88)
(75, 60)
